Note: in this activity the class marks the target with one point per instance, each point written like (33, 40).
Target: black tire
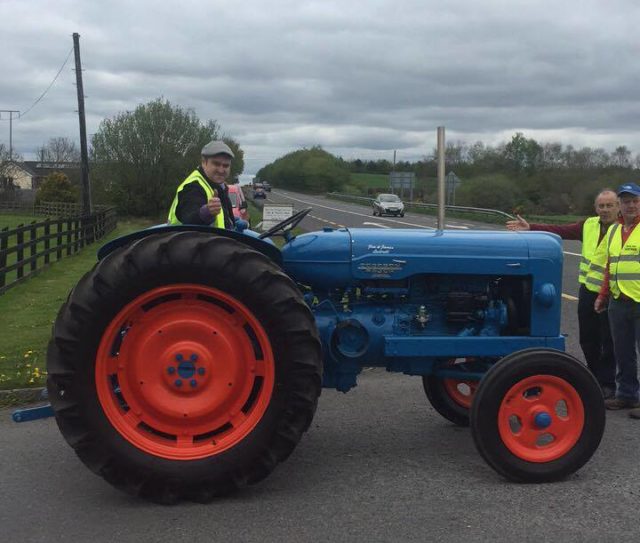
(537, 372)
(402, 214)
(441, 399)
(177, 259)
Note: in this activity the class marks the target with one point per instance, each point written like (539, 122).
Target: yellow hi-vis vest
(624, 262)
(594, 255)
(195, 175)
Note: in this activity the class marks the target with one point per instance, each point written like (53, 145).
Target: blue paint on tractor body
(412, 300)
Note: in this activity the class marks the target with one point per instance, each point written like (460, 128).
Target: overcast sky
(360, 78)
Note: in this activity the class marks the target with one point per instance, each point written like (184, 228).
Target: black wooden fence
(49, 209)
(24, 250)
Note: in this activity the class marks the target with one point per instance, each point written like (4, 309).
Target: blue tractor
(188, 363)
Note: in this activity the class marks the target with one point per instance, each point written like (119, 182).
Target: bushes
(56, 187)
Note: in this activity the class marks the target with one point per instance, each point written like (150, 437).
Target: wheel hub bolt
(179, 357)
(200, 371)
(171, 370)
(193, 383)
(178, 382)
(193, 357)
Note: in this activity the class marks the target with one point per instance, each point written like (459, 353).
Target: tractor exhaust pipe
(440, 223)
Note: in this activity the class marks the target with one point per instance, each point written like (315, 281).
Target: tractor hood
(339, 258)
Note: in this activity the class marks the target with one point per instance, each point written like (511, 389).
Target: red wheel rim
(184, 372)
(461, 392)
(541, 418)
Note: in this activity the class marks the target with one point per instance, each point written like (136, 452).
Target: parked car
(258, 191)
(239, 203)
(388, 204)
(267, 186)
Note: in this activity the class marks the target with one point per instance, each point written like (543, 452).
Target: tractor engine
(413, 300)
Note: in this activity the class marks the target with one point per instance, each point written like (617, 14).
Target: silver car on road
(388, 204)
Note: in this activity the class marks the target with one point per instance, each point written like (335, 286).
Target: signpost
(451, 182)
(272, 214)
(401, 181)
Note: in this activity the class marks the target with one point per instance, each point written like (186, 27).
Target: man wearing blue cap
(622, 291)
(595, 336)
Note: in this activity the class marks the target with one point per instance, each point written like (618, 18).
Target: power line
(47, 89)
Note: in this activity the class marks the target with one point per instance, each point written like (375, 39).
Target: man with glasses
(202, 198)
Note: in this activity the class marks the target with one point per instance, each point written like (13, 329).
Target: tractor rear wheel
(537, 416)
(184, 366)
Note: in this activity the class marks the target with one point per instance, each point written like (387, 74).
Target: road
(378, 464)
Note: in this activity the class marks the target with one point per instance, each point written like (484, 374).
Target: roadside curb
(19, 396)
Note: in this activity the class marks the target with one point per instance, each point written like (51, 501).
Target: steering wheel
(291, 223)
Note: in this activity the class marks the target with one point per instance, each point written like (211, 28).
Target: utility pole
(441, 166)
(10, 112)
(84, 155)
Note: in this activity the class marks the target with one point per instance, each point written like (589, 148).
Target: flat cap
(217, 147)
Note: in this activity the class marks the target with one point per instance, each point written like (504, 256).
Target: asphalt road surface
(378, 464)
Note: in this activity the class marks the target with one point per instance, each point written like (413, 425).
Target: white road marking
(376, 224)
(364, 215)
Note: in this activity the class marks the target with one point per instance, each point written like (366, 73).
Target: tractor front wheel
(537, 416)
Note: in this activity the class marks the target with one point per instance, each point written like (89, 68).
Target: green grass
(554, 219)
(360, 182)
(12, 221)
(34, 249)
(29, 309)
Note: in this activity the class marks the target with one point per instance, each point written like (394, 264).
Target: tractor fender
(248, 237)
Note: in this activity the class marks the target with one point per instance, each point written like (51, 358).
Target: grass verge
(28, 310)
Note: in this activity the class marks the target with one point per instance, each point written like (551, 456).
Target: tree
(141, 156)
(621, 157)
(308, 170)
(59, 150)
(523, 155)
(4, 159)
(493, 192)
(56, 187)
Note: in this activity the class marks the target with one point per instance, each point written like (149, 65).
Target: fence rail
(423, 208)
(27, 248)
(49, 209)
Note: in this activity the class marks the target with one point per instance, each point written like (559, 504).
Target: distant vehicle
(239, 203)
(388, 204)
(258, 191)
(267, 186)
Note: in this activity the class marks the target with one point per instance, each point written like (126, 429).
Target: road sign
(398, 181)
(272, 214)
(452, 181)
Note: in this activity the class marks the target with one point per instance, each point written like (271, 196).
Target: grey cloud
(358, 78)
